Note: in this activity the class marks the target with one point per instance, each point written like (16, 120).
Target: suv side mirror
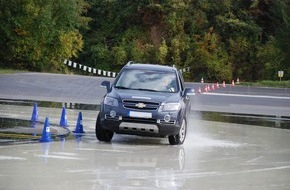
(106, 84)
(189, 92)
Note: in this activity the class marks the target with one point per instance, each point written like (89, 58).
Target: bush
(268, 83)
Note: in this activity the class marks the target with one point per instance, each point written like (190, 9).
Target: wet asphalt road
(214, 156)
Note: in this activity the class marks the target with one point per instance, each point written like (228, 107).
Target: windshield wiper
(145, 89)
(122, 87)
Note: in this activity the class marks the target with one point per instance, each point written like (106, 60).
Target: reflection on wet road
(215, 155)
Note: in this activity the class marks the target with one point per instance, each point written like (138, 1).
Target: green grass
(268, 83)
(11, 71)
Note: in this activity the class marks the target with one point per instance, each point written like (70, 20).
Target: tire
(180, 137)
(101, 133)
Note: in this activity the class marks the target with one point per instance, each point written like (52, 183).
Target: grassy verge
(10, 71)
(268, 83)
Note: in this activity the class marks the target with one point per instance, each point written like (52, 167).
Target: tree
(281, 20)
(38, 35)
(217, 39)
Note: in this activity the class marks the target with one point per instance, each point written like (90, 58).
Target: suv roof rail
(130, 62)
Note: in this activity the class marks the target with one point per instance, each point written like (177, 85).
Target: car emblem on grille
(140, 105)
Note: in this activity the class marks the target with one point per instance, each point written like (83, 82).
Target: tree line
(216, 39)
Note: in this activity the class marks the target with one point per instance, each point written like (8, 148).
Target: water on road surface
(215, 155)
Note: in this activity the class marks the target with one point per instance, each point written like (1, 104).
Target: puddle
(9, 124)
(48, 104)
(266, 121)
(17, 131)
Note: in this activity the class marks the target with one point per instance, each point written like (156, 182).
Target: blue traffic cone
(45, 132)
(34, 117)
(33, 124)
(79, 125)
(63, 118)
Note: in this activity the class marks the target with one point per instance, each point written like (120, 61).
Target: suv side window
(181, 80)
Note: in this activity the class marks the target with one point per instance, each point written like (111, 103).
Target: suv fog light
(167, 118)
(112, 113)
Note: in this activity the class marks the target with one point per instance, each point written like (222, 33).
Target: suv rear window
(148, 80)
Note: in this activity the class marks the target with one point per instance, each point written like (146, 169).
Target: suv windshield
(148, 80)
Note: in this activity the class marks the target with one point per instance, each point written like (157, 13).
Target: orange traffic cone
(217, 85)
(199, 90)
(224, 84)
(233, 83)
(205, 89)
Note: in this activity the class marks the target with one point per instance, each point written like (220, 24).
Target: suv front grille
(139, 120)
(141, 105)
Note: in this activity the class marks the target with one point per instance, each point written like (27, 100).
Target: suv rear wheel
(101, 133)
(180, 137)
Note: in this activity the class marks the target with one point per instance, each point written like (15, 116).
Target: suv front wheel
(180, 137)
(101, 133)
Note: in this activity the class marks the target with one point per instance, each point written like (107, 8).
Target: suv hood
(161, 97)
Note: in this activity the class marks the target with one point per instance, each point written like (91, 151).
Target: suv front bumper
(154, 126)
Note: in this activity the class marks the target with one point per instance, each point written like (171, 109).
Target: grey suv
(146, 100)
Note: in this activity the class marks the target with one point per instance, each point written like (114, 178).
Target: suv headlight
(111, 101)
(171, 107)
